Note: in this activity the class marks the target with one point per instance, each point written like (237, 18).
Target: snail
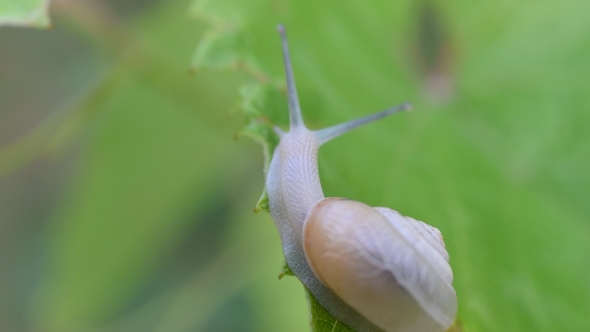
(369, 267)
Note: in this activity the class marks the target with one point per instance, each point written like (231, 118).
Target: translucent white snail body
(371, 268)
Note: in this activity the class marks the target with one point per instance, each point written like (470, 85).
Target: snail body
(371, 268)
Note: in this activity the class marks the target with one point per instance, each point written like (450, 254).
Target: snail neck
(293, 181)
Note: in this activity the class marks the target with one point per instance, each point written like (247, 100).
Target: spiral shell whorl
(429, 233)
(385, 266)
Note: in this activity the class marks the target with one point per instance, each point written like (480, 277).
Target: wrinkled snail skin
(371, 268)
(293, 188)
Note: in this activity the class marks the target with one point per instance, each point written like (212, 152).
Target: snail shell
(385, 266)
(370, 268)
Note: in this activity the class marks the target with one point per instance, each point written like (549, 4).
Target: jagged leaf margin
(220, 49)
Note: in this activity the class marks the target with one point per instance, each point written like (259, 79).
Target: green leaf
(156, 180)
(143, 155)
(265, 135)
(31, 13)
(321, 320)
(141, 180)
(286, 271)
(255, 98)
(216, 50)
(495, 155)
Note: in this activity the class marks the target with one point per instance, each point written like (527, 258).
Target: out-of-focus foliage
(126, 205)
(152, 228)
(24, 13)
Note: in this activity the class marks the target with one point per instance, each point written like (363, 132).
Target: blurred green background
(126, 203)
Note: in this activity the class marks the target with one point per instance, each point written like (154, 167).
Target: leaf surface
(495, 154)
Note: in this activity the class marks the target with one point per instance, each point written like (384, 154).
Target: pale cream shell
(391, 269)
